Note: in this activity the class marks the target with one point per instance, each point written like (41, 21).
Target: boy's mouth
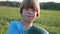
(30, 16)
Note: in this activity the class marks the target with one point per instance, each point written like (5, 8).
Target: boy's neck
(27, 25)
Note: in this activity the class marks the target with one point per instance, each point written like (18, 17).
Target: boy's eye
(33, 10)
(26, 8)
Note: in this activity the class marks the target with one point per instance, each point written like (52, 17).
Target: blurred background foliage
(49, 16)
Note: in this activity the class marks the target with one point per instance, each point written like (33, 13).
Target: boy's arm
(13, 29)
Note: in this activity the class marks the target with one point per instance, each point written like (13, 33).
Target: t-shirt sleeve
(43, 30)
(13, 29)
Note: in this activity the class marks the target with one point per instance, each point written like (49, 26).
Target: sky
(57, 1)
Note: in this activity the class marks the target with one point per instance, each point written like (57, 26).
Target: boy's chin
(29, 21)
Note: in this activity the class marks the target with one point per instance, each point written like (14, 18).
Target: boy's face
(29, 15)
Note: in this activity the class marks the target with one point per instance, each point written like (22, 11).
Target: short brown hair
(30, 4)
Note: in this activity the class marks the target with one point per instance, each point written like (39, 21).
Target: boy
(29, 10)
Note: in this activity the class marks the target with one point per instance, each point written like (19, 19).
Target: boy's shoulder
(15, 24)
(37, 30)
(15, 27)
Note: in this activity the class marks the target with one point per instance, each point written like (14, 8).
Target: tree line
(10, 4)
(47, 5)
(50, 6)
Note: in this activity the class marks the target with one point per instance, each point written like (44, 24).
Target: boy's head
(29, 8)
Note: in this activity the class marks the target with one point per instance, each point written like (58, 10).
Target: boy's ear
(36, 15)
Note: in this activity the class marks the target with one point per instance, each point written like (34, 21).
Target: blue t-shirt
(15, 28)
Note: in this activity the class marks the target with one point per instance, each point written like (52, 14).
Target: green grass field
(49, 19)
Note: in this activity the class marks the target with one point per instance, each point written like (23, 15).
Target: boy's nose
(30, 12)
